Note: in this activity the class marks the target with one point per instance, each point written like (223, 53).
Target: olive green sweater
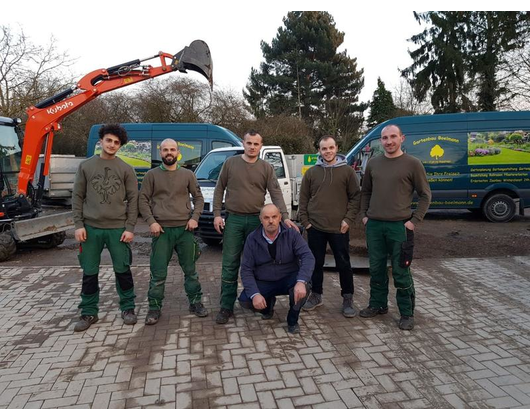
(165, 197)
(329, 195)
(246, 185)
(388, 188)
(105, 194)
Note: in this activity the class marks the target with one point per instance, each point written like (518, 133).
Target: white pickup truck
(288, 171)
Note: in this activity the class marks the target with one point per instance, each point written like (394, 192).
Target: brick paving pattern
(470, 347)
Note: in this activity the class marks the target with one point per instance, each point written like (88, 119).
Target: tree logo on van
(437, 152)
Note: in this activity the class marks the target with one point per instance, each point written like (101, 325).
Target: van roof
(461, 117)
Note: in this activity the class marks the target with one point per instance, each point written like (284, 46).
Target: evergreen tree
(493, 35)
(460, 55)
(440, 66)
(303, 75)
(382, 106)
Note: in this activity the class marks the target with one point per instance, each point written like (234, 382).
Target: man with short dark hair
(388, 186)
(105, 209)
(276, 261)
(246, 179)
(329, 203)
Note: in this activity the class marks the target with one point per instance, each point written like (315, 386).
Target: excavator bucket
(195, 57)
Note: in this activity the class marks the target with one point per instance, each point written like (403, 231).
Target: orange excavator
(21, 218)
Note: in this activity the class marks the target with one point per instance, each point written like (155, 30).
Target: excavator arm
(44, 118)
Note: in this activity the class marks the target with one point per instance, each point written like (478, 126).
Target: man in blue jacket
(276, 261)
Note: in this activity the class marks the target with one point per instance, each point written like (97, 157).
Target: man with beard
(329, 203)
(105, 209)
(165, 205)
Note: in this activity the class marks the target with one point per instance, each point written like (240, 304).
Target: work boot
(348, 310)
(84, 322)
(129, 317)
(268, 315)
(370, 312)
(406, 322)
(314, 300)
(153, 316)
(293, 329)
(223, 316)
(198, 309)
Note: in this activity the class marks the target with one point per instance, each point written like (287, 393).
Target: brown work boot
(85, 321)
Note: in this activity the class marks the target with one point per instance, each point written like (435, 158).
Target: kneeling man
(276, 261)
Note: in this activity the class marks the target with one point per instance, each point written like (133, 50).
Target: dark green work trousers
(384, 239)
(183, 242)
(237, 228)
(90, 258)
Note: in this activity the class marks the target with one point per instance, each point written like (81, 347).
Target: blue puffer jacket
(292, 256)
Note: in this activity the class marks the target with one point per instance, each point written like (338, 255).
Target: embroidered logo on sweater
(106, 185)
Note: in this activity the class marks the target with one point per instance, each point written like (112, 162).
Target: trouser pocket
(407, 250)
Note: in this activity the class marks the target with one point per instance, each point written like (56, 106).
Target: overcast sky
(103, 34)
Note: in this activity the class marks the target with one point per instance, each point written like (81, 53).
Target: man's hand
(259, 302)
(156, 229)
(80, 235)
(290, 224)
(219, 224)
(191, 225)
(300, 292)
(127, 237)
(409, 225)
(344, 227)
(365, 220)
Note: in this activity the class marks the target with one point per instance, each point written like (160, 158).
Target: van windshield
(211, 165)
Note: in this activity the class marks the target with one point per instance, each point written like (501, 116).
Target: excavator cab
(11, 139)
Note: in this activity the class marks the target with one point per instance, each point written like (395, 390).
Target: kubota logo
(60, 107)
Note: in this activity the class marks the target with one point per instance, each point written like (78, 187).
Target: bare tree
(172, 99)
(406, 103)
(29, 73)
(228, 109)
(517, 73)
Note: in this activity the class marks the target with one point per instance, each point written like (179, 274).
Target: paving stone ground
(470, 347)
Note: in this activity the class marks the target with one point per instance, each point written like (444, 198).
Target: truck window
(217, 144)
(371, 149)
(211, 165)
(275, 159)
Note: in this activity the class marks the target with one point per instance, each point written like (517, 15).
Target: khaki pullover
(246, 185)
(329, 195)
(105, 194)
(388, 188)
(165, 197)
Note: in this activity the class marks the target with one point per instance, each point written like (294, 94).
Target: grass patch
(507, 156)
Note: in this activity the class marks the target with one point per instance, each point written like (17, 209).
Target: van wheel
(7, 246)
(499, 208)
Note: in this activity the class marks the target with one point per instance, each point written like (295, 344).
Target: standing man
(165, 206)
(329, 203)
(105, 209)
(388, 186)
(246, 179)
(276, 261)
